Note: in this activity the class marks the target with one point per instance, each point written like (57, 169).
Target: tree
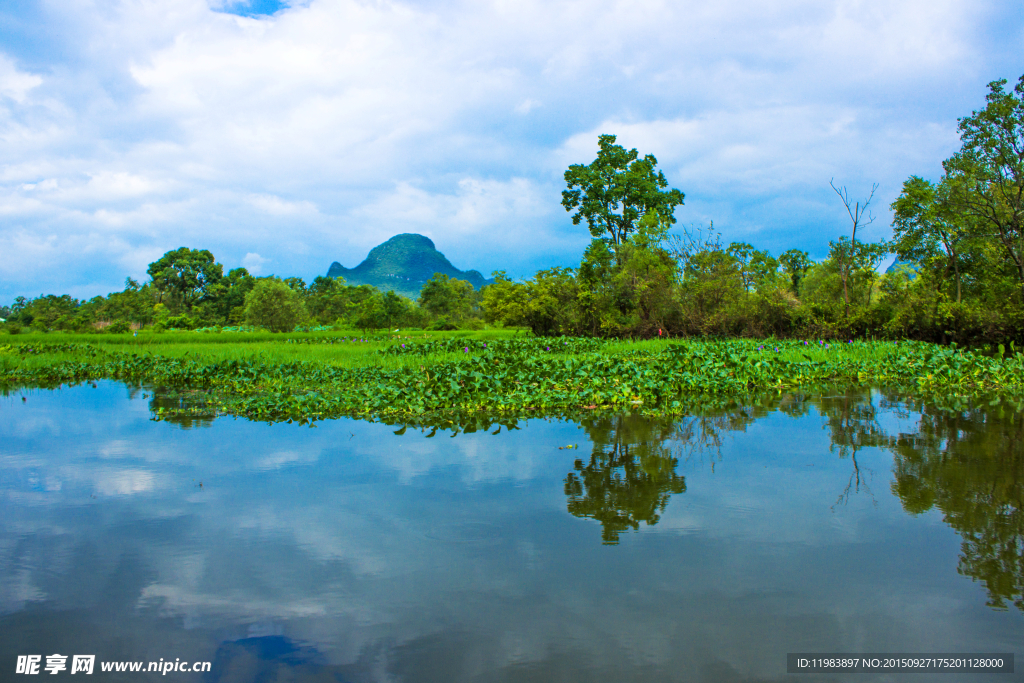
(692, 244)
(617, 191)
(296, 283)
(185, 275)
(711, 279)
(133, 305)
(447, 297)
(989, 170)
(796, 263)
(370, 314)
(237, 286)
(396, 307)
(504, 301)
(843, 251)
(553, 304)
(327, 299)
(741, 252)
(644, 287)
(274, 305)
(926, 226)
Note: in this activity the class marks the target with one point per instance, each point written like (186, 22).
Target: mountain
(897, 265)
(403, 264)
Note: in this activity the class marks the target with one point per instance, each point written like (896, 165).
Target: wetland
(603, 540)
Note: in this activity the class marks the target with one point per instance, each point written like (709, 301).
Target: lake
(613, 548)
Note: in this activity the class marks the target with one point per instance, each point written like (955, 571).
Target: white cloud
(280, 207)
(16, 84)
(319, 131)
(254, 263)
(526, 106)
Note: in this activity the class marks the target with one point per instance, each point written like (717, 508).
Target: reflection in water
(366, 552)
(852, 420)
(630, 476)
(631, 473)
(269, 658)
(967, 462)
(970, 465)
(191, 408)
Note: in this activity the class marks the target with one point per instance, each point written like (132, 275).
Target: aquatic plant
(518, 376)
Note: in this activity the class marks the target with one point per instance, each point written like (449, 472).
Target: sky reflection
(345, 552)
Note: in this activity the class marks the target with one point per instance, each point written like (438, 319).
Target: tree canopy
(617, 191)
(988, 171)
(185, 274)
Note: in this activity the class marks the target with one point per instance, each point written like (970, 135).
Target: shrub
(443, 324)
(181, 322)
(274, 305)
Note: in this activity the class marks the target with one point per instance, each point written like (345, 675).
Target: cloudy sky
(283, 135)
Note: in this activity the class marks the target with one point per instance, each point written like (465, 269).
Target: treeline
(961, 240)
(188, 290)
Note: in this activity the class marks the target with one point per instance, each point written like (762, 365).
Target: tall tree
(926, 227)
(185, 275)
(617, 191)
(989, 170)
(796, 263)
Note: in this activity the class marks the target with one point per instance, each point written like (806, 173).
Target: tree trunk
(844, 271)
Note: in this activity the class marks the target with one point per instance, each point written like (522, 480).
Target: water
(703, 549)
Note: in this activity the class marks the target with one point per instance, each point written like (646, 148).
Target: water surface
(701, 549)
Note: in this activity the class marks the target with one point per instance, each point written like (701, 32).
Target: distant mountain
(403, 264)
(898, 265)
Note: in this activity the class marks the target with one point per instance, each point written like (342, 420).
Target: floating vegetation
(518, 377)
(505, 347)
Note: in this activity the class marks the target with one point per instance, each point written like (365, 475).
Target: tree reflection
(966, 460)
(186, 408)
(852, 420)
(631, 473)
(970, 465)
(630, 476)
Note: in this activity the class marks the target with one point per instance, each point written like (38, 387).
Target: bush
(274, 305)
(443, 324)
(181, 322)
(119, 327)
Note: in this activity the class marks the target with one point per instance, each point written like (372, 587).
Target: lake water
(702, 549)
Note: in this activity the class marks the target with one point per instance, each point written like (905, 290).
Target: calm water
(703, 549)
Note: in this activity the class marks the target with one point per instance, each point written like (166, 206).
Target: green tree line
(187, 289)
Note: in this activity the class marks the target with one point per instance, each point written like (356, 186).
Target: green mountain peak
(403, 264)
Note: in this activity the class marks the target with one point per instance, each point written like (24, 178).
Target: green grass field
(352, 349)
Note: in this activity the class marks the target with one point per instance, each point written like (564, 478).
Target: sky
(283, 135)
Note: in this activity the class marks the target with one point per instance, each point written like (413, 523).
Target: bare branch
(856, 213)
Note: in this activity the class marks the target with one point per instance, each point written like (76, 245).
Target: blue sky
(286, 135)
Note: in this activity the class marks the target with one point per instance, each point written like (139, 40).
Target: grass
(350, 349)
